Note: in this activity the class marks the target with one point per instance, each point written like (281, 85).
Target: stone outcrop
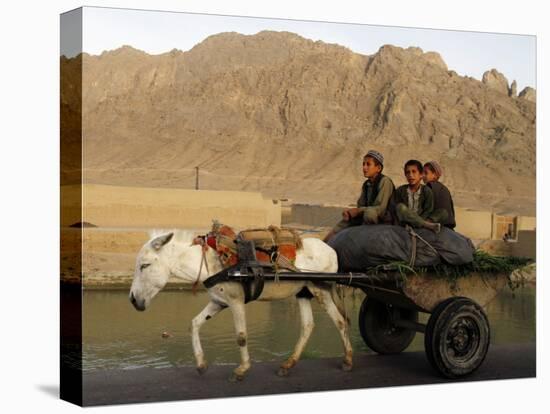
(496, 80)
(528, 94)
(513, 92)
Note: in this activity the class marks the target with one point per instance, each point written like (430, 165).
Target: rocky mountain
(290, 117)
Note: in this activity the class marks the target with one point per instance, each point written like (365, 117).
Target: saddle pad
(273, 245)
(225, 244)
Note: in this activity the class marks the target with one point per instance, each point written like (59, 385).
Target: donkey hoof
(236, 377)
(282, 372)
(346, 367)
(202, 368)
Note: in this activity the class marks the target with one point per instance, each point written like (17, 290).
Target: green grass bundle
(483, 263)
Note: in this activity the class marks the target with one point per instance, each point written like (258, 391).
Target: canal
(115, 336)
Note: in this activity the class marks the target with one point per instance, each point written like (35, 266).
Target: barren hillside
(290, 117)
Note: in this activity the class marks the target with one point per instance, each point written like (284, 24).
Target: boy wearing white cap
(376, 193)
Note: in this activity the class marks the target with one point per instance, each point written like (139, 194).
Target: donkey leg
(325, 299)
(239, 320)
(306, 316)
(208, 312)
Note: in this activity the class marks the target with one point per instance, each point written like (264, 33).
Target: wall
(113, 206)
(527, 223)
(314, 215)
(474, 224)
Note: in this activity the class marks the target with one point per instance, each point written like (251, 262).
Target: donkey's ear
(161, 241)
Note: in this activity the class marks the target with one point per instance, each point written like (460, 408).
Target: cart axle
(413, 326)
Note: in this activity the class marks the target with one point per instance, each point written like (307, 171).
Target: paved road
(183, 383)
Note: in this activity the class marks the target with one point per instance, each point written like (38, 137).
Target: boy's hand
(345, 215)
(350, 213)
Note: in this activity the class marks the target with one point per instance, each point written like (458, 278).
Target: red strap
(211, 240)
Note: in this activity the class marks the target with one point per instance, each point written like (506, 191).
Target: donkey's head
(152, 271)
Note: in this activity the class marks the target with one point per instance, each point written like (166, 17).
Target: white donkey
(174, 254)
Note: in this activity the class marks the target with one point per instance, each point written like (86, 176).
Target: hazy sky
(468, 53)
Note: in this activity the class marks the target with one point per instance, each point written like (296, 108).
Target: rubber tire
(437, 334)
(377, 330)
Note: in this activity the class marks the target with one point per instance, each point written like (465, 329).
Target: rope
(303, 269)
(413, 248)
(414, 236)
(427, 244)
(274, 257)
(203, 260)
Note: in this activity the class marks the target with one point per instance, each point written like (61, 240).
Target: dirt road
(183, 383)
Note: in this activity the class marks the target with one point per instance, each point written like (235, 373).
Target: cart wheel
(457, 337)
(378, 331)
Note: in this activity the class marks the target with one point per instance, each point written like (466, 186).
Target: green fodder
(483, 262)
(486, 263)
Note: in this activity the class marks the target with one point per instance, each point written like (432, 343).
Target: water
(115, 336)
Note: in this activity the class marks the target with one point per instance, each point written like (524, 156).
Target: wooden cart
(456, 337)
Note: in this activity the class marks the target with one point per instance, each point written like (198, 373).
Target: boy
(444, 211)
(375, 196)
(413, 203)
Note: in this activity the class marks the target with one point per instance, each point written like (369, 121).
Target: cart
(456, 336)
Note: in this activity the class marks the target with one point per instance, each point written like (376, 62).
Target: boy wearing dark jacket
(444, 211)
(413, 203)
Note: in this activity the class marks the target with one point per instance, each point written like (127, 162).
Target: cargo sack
(274, 245)
(361, 247)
